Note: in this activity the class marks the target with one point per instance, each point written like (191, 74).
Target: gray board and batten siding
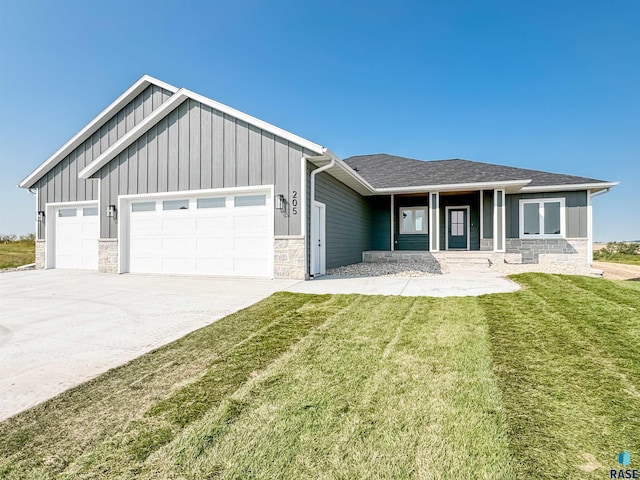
(575, 212)
(62, 184)
(196, 147)
(348, 221)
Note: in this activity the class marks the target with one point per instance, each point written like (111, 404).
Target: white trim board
(93, 126)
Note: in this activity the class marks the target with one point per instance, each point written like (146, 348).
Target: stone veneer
(486, 244)
(40, 249)
(289, 257)
(108, 255)
(547, 251)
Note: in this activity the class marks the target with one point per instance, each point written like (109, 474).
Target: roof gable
(171, 104)
(92, 127)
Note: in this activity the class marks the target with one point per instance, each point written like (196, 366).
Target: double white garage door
(203, 235)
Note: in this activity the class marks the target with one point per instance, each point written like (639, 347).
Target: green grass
(15, 254)
(625, 258)
(540, 383)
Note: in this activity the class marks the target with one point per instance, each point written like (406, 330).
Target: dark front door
(457, 230)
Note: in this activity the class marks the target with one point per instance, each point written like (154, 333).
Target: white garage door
(212, 235)
(76, 237)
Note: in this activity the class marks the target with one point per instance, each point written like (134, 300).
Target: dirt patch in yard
(618, 271)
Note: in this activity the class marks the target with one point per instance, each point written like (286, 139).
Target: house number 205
(294, 203)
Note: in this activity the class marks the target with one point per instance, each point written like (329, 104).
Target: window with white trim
(413, 220)
(542, 218)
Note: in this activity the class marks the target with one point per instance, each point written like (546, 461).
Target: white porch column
(589, 228)
(499, 221)
(393, 236)
(434, 221)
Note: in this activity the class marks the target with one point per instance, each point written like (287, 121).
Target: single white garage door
(76, 237)
(210, 235)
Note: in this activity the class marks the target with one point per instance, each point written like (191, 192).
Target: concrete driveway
(60, 328)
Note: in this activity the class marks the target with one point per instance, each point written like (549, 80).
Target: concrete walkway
(461, 281)
(59, 328)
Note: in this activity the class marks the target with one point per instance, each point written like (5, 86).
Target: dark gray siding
(487, 213)
(411, 241)
(348, 221)
(61, 184)
(380, 222)
(196, 147)
(575, 214)
(473, 201)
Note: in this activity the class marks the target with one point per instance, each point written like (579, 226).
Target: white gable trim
(256, 122)
(172, 103)
(93, 126)
(135, 133)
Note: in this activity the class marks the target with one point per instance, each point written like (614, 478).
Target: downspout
(312, 195)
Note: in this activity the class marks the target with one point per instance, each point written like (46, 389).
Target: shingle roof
(388, 171)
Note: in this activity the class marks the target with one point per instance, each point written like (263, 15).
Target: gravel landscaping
(404, 269)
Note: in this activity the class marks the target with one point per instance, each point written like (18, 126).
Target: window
(143, 207)
(90, 212)
(211, 202)
(542, 218)
(250, 200)
(175, 204)
(67, 212)
(413, 220)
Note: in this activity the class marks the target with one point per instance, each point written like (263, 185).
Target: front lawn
(540, 383)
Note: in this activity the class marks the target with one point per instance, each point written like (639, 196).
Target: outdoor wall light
(280, 203)
(111, 211)
(40, 216)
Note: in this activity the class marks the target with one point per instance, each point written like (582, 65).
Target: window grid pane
(143, 207)
(250, 200)
(552, 218)
(217, 202)
(90, 211)
(182, 204)
(531, 212)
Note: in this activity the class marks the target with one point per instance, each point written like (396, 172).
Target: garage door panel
(179, 246)
(213, 224)
(178, 225)
(214, 244)
(250, 223)
(225, 240)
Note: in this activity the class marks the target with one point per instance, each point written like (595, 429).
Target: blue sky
(549, 85)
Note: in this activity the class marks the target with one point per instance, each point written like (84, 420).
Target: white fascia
(578, 186)
(515, 184)
(93, 126)
(135, 133)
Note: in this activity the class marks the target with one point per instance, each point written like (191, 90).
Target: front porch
(413, 225)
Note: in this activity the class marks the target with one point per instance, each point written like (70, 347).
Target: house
(167, 181)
